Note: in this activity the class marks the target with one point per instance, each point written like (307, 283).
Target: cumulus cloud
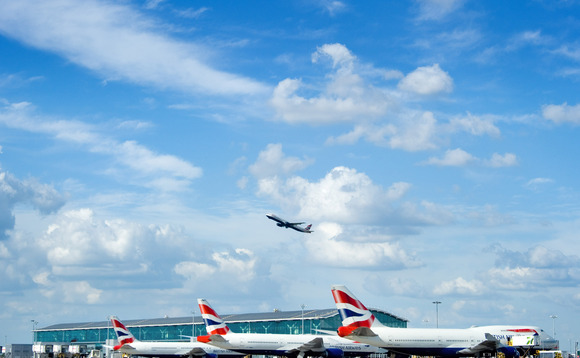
(419, 133)
(456, 157)
(79, 238)
(346, 196)
(239, 265)
(272, 162)
(475, 125)
(346, 97)
(459, 157)
(330, 247)
(162, 171)
(560, 114)
(460, 286)
(227, 273)
(118, 42)
(68, 291)
(411, 131)
(499, 161)
(13, 192)
(428, 80)
(343, 194)
(534, 268)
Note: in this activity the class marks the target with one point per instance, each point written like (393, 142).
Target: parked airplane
(361, 325)
(128, 344)
(283, 223)
(289, 345)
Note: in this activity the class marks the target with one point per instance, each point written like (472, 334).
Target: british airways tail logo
(214, 324)
(124, 336)
(352, 312)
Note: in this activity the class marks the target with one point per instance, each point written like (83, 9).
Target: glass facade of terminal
(99, 333)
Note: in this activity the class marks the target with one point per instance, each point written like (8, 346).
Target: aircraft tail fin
(124, 336)
(308, 227)
(214, 324)
(352, 312)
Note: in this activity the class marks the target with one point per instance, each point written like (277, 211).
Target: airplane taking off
(360, 325)
(128, 344)
(283, 223)
(289, 345)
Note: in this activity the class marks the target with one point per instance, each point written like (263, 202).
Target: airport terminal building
(78, 337)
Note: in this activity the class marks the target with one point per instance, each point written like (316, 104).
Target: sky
(432, 144)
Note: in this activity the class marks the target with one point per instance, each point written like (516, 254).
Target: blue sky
(432, 145)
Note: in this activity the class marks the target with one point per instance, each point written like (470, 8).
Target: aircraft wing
(212, 339)
(127, 346)
(196, 352)
(315, 346)
(293, 224)
(357, 332)
(491, 344)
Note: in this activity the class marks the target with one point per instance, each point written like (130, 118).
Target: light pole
(34, 323)
(437, 303)
(302, 306)
(193, 325)
(553, 317)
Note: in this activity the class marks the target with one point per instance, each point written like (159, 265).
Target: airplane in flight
(128, 344)
(289, 345)
(360, 325)
(283, 223)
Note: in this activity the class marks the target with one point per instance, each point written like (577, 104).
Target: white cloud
(562, 113)
(475, 125)
(165, 172)
(272, 161)
(437, 9)
(459, 157)
(326, 247)
(412, 131)
(192, 13)
(13, 192)
(456, 157)
(71, 292)
(536, 183)
(526, 38)
(460, 286)
(533, 269)
(347, 196)
(374, 134)
(418, 133)
(333, 7)
(498, 160)
(77, 237)
(428, 80)
(489, 216)
(346, 97)
(233, 270)
(339, 55)
(119, 43)
(343, 194)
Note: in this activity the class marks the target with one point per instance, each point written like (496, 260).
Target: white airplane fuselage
(444, 342)
(174, 349)
(289, 225)
(287, 344)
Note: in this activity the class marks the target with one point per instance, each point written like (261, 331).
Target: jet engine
(334, 353)
(510, 352)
